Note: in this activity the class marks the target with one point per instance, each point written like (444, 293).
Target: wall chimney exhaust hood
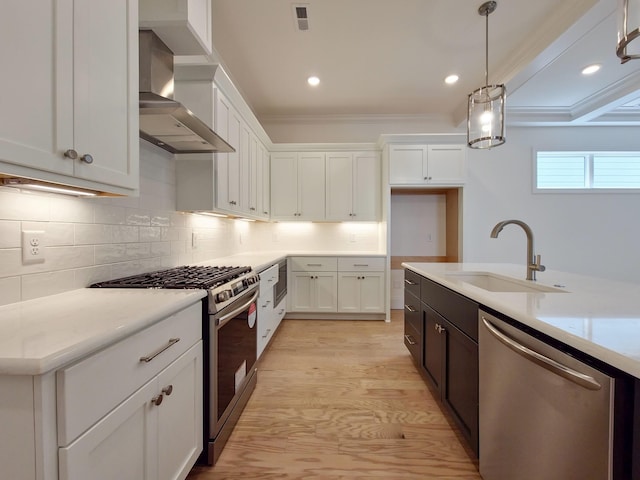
(164, 121)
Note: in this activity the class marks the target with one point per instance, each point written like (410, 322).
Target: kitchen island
(598, 317)
(518, 363)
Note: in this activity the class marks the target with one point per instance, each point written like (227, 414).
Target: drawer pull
(168, 390)
(409, 340)
(360, 264)
(157, 400)
(148, 358)
(410, 308)
(409, 282)
(314, 264)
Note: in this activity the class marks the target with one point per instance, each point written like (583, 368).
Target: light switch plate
(33, 246)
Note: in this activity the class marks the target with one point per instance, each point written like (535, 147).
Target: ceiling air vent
(301, 16)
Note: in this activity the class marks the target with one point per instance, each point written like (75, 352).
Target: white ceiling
(383, 57)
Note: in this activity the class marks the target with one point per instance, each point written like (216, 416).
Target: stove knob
(223, 296)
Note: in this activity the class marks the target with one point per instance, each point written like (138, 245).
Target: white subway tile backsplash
(137, 217)
(10, 234)
(90, 275)
(110, 214)
(17, 205)
(71, 210)
(50, 283)
(10, 290)
(150, 234)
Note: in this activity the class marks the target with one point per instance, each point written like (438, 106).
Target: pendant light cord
(486, 50)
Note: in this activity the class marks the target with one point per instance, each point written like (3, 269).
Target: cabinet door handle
(71, 153)
(410, 308)
(148, 358)
(168, 390)
(86, 158)
(233, 202)
(252, 208)
(266, 333)
(157, 400)
(409, 340)
(410, 282)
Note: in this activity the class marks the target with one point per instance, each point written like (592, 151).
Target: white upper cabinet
(297, 186)
(427, 164)
(353, 190)
(183, 25)
(70, 109)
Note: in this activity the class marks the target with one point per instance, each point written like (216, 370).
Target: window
(579, 171)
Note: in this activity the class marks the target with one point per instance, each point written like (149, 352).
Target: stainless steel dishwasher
(543, 414)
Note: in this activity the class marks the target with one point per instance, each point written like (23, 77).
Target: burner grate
(178, 277)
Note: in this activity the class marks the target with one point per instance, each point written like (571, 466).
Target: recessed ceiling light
(588, 70)
(313, 81)
(451, 79)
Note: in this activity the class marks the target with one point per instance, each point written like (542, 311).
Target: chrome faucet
(533, 261)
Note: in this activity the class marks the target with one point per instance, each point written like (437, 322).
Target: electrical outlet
(32, 246)
(194, 240)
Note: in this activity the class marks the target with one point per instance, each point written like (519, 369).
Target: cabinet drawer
(412, 310)
(456, 308)
(413, 341)
(361, 264)
(268, 280)
(314, 264)
(412, 282)
(92, 387)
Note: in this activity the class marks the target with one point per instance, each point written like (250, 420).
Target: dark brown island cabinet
(441, 333)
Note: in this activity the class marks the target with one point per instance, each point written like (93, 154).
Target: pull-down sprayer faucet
(533, 261)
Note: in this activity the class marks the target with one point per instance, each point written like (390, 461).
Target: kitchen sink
(498, 283)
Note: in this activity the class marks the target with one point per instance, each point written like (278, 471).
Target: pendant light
(628, 30)
(485, 119)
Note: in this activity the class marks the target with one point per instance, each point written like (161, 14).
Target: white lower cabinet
(314, 292)
(337, 285)
(155, 434)
(361, 292)
(266, 314)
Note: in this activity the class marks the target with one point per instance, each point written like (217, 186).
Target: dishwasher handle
(570, 374)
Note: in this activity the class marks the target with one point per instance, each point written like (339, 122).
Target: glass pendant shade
(628, 47)
(485, 117)
(485, 108)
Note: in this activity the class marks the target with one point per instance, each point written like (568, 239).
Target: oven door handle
(227, 317)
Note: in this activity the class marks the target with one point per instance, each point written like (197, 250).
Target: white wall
(593, 234)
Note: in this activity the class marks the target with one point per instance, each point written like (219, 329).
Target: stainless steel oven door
(232, 355)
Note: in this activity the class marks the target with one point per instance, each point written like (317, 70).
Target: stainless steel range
(229, 333)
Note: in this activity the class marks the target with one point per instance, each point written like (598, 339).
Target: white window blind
(586, 171)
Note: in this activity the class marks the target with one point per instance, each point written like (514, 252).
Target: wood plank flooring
(341, 400)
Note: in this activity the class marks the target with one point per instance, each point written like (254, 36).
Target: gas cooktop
(223, 284)
(179, 277)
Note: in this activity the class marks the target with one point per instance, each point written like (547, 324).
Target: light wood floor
(339, 400)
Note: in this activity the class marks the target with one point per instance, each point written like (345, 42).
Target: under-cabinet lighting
(211, 214)
(246, 219)
(26, 184)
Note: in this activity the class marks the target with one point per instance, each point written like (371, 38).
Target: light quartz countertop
(596, 316)
(40, 335)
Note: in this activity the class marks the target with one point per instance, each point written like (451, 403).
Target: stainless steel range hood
(164, 121)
